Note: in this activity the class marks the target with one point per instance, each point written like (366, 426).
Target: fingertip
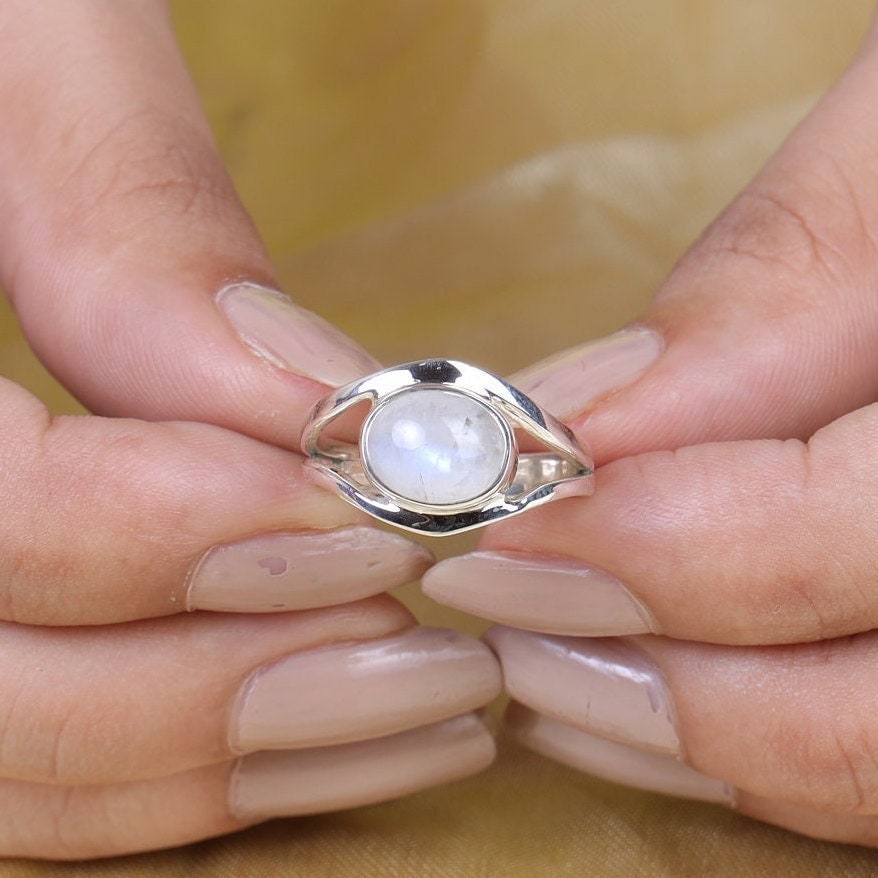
(290, 783)
(292, 338)
(137, 274)
(613, 761)
(284, 571)
(857, 829)
(573, 381)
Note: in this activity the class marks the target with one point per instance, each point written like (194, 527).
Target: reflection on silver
(482, 483)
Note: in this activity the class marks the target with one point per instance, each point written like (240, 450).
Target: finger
(793, 724)
(71, 823)
(657, 773)
(187, 692)
(844, 828)
(349, 775)
(117, 703)
(610, 760)
(110, 520)
(767, 326)
(121, 226)
(749, 542)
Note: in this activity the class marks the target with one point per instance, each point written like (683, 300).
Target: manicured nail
(286, 784)
(292, 337)
(569, 382)
(605, 686)
(351, 692)
(277, 572)
(552, 595)
(613, 761)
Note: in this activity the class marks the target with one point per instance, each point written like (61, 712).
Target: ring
(438, 451)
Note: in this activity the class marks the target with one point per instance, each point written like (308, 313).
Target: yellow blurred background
(494, 180)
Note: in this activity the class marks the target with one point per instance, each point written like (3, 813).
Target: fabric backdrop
(493, 180)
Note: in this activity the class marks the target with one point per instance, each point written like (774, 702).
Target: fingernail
(569, 382)
(613, 761)
(605, 686)
(291, 337)
(278, 572)
(551, 595)
(356, 691)
(278, 784)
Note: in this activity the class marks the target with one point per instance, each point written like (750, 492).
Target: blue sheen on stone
(435, 446)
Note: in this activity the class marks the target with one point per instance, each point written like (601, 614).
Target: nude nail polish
(351, 692)
(278, 572)
(571, 381)
(605, 686)
(611, 760)
(551, 595)
(289, 783)
(291, 337)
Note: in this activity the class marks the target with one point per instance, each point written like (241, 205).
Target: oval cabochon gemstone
(436, 446)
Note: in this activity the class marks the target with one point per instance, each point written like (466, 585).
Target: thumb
(121, 228)
(767, 327)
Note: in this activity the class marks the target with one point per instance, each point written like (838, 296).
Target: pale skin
(120, 226)
(753, 427)
(736, 495)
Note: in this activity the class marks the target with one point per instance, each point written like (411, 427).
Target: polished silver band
(471, 475)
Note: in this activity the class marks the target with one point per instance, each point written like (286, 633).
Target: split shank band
(438, 451)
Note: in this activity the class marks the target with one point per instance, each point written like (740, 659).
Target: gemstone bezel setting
(563, 468)
(504, 467)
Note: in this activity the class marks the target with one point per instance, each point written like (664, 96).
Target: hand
(705, 624)
(126, 725)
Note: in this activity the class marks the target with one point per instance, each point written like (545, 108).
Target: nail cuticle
(571, 382)
(253, 343)
(292, 338)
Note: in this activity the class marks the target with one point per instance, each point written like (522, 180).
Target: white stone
(435, 446)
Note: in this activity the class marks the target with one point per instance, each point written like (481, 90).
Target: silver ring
(438, 451)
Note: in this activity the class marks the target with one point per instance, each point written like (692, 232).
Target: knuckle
(109, 515)
(80, 823)
(62, 823)
(36, 578)
(802, 601)
(770, 229)
(827, 761)
(57, 746)
(57, 732)
(63, 745)
(63, 828)
(845, 205)
(144, 166)
(781, 580)
(818, 588)
(850, 770)
(793, 231)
